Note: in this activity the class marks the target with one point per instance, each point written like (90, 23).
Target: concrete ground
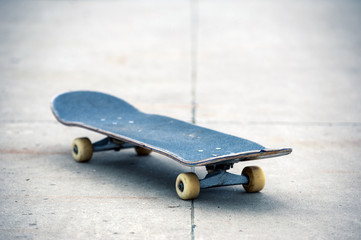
(281, 73)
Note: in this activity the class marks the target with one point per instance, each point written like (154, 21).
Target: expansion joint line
(194, 55)
(194, 70)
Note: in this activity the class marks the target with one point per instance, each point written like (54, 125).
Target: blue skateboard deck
(186, 143)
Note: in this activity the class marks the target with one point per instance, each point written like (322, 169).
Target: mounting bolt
(75, 149)
(181, 186)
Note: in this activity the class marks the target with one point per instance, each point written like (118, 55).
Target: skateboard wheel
(256, 178)
(187, 186)
(82, 149)
(142, 151)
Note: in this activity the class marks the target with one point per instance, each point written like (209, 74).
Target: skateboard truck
(222, 178)
(83, 148)
(188, 185)
(218, 176)
(110, 144)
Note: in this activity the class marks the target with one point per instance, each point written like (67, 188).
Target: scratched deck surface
(182, 141)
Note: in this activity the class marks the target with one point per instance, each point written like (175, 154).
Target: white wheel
(256, 178)
(82, 149)
(142, 151)
(187, 186)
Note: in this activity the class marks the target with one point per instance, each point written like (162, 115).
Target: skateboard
(124, 126)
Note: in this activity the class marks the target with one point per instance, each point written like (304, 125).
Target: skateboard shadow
(155, 176)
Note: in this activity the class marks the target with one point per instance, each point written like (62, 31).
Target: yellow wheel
(142, 151)
(256, 178)
(82, 149)
(187, 186)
